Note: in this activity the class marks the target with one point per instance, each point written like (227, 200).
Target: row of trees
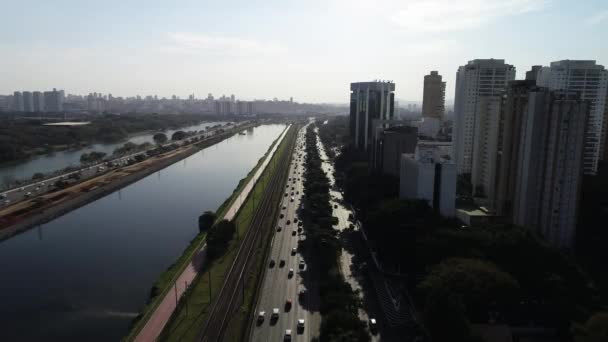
(339, 303)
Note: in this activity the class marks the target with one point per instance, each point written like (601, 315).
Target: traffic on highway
(288, 303)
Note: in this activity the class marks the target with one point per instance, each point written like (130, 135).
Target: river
(85, 275)
(62, 159)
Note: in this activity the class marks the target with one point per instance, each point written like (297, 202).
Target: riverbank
(27, 214)
(168, 278)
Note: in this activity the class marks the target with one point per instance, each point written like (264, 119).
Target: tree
(205, 221)
(477, 283)
(37, 176)
(92, 157)
(594, 330)
(218, 238)
(179, 135)
(160, 138)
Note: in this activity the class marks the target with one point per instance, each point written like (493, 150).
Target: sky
(306, 49)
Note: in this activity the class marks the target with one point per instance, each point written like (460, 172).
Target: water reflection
(103, 258)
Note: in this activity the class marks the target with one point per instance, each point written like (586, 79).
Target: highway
(230, 296)
(34, 189)
(278, 286)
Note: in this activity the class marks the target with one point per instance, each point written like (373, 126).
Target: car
(292, 199)
(295, 219)
(288, 222)
(275, 314)
(286, 194)
(279, 228)
(28, 194)
(287, 335)
(297, 192)
(299, 229)
(272, 263)
(301, 264)
(288, 305)
(294, 232)
(37, 188)
(281, 263)
(290, 273)
(294, 251)
(301, 324)
(335, 206)
(373, 325)
(261, 316)
(292, 193)
(282, 215)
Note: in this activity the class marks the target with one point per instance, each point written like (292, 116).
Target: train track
(231, 294)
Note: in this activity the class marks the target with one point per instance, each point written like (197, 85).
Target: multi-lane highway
(289, 284)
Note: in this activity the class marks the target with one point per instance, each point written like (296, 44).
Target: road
(162, 313)
(278, 286)
(34, 189)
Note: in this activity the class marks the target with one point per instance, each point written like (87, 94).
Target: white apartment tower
(478, 84)
(591, 81)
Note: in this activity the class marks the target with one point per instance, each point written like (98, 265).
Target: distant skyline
(309, 50)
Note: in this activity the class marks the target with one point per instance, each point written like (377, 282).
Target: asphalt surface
(278, 287)
(32, 190)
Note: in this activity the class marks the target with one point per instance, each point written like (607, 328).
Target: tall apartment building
(17, 101)
(479, 79)
(433, 97)
(28, 102)
(53, 100)
(38, 99)
(250, 107)
(539, 160)
(485, 142)
(591, 81)
(369, 101)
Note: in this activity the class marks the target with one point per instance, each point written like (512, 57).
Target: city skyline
(155, 53)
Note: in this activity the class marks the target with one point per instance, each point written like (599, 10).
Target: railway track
(231, 294)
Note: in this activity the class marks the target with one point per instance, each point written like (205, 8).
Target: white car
(290, 273)
(287, 335)
(261, 316)
(301, 323)
(275, 313)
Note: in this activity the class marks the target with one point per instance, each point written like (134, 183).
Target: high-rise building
(483, 168)
(433, 98)
(38, 99)
(28, 102)
(476, 81)
(390, 144)
(426, 175)
(250, 107)
(17, 101)
(369, 101)
(538, 163)
(591, 81)
(53, 100)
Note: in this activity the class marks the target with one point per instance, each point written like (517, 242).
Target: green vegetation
(160, 138)
(22, 138)
(179, 135)
(469, 275)
(93, 157)
(339, 303)
(206, 220)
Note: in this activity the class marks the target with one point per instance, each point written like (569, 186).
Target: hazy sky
(308, 49)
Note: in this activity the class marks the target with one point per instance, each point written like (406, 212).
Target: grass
(186, 321)
(167, 278)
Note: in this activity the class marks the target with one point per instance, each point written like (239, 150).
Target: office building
(250, 108)
(433, 98)
(28, 102)
(369, 101)
(591, 81)
(390, 144)
(427, 175)
(17, 101)
(38, 99)
(479, 79)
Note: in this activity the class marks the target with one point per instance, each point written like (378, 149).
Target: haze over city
(304, 49)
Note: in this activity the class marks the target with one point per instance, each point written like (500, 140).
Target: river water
(85, 275)
(59, 160)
